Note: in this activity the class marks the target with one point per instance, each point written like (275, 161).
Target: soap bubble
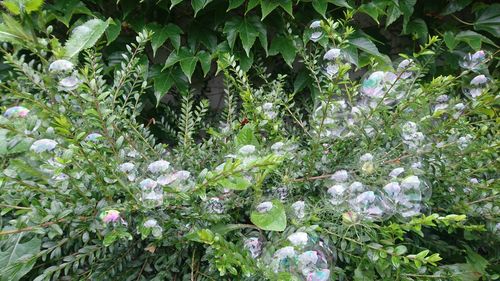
(69, 83)
(476, 86)
(152, 193)
(474, 62)
(61, 66)
(254, 246)
(370, 206)
(298, 239)
(16, 112)
(247, 149)
(110, 216)
(313, 264)
(159, 166)
(126, 167)
(299, 209)
(93, 137)
(330, 119)
(316, 31)
(43, 145)
(404, 68)
(340, 176)
(284, 259)
(337, 194)
(264, 207)
(396, 172)
(156, 230)
(215, 206)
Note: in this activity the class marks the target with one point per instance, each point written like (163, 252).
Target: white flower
(126, 167)
(340, 176)
(148, 184)
(298, 238)
(159, 166)
(411, 182)
(61, 66)
(43, 145)
(299, 209)
(264, 207)
(247, 149)
(332, 54)
(366, 157)
(396, 172)
(150, 223)
(69, 83)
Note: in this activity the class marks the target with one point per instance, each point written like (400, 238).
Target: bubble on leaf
(299, 209)
(254, 246)
(396, 172)
(298, 238)
(332, 54)
(476, 86)
(16, 112)
(311, 262)
(61, 66)
(93, 137)
(404, 68)
(474, 62)
(340, 176)
(43, 145)
(159, 166)
(284, 259)
(247, 149)
(264, 207)
(316, 31)
(336, 193)
(126, 167)
(69, 83)
(214, 205)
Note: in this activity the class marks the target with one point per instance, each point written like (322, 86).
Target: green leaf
(12, 31)
(198, 5)
(245, 61)
(372, 10)
(233, 4)
(272, 220)
(340, 3)
(174, 3)
(473, 39)
(418, 29)
(369, 47)
(164, 32)
(235, 183)
(455, 6)
(15, 260)
(186, 59)
(449, 40)
(393, 13)
(246, 136)
(205, 61)
(267, 6)
(85, 36)
(252, 4)
(285, 47)
(113, 31)
(320, 6)
(245, 28)
(489, 20)
(16, 7)
(406, 7)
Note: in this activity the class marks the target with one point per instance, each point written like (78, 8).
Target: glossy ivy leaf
(369, 47)
(489, 20)
(247, 29)
(418, 29)
(205, 61)
(174, 3)
(393, 13)
(473, 39)
(235, 183)
(406, 7)
(373, 10)
(85, 36)
(64, 11)
(113, 31)
(246, 61)
(449, 40)
(164, 32)
(284, 46)
(17, 7)
(198, 5)
(272, 220)
(268, 6)
(15, 259)
(233, 4)
(455, 6)
(186, 59)
(166, 79)
(320, 6)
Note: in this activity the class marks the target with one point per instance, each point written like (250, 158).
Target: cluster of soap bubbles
(305, 258)
(154, 227)
(159, 174)
(69, 80)
(404, 193)
(479, 82)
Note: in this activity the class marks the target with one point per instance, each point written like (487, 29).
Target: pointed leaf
(85, 36)
(233, 4)
(272, 220)
(205, 61)
(489, 20)
(285, 47)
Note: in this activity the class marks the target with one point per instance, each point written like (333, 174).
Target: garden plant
(349, 140)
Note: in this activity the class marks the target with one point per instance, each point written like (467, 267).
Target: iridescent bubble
(298, 239)
(264, 207)
(340, 176)
(312, 262)
(474, 62)
(396, 172)
(159, 166)
(152, 193)
(332, 54)
(336, 193)
(316, 31)
(69, 83)
(156, 230)
(93, 137)
(126, 167)
(404, 69)
(16, 112)
(254, 246)
(299, 209)
(330, 119)
(61, 66)
(215, 206)
(284, 259)
(476, 87)
(43, 145)
(247, 149)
